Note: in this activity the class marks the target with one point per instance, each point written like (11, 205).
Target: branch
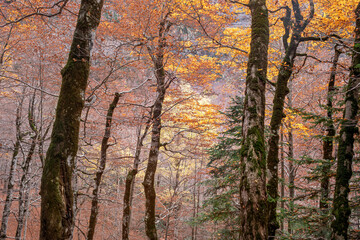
(287, 25)
(133, 89)
(311, 15)
(198, 19)
(240, 3)
(39, 13)
(325, 38)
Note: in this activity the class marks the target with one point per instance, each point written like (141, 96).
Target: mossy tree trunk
(341, 208)
(253, 198)
(157, 56)
(102, 164)
(56, 188)
(281, 91)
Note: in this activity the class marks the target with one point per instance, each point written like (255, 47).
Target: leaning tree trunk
(281, 91)
(100, 171)
(149, 179)
(56, 188)
(253, 198)
(341, 208)
(11, 178)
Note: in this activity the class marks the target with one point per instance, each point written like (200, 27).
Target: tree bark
(253, 198)
(341, 208)
(282, 190)
(281, 91)
(104, 146)
(328, 144)
(24, 189)
(56, 188)
(130, 182)
(149, 179)
(292, 168)
(11, 178)
(329, 139)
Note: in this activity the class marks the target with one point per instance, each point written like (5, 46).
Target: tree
(56, 183)
(162, 85)
(253, 197)
(11, 178)
(281, 91)
(341, 208)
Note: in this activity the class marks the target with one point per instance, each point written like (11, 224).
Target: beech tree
(157, 56)
(341, 208)
(56, 185)
(281, 90)
(253, 197)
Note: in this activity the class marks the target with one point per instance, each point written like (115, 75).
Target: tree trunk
(24, 190)
(253, 198)
(341, 208)
(130, 182)
(328, 148)
(282, 191)
(292, 172)
(149, 179)
(195, 204)
(281, 91)
(101, 169)
(11, 178)
(56, 188)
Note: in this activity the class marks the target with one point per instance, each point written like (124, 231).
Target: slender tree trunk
(281, 91)
(130, 183)
(253, 198)
(149, 179)
(101, 169)
(328, 148)
(194, 228)
(56, 192)
(24, 190)
(26, 217)
(11, 178)
(341, 208)
(282, 192)
(174, 206)
(292, 168)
